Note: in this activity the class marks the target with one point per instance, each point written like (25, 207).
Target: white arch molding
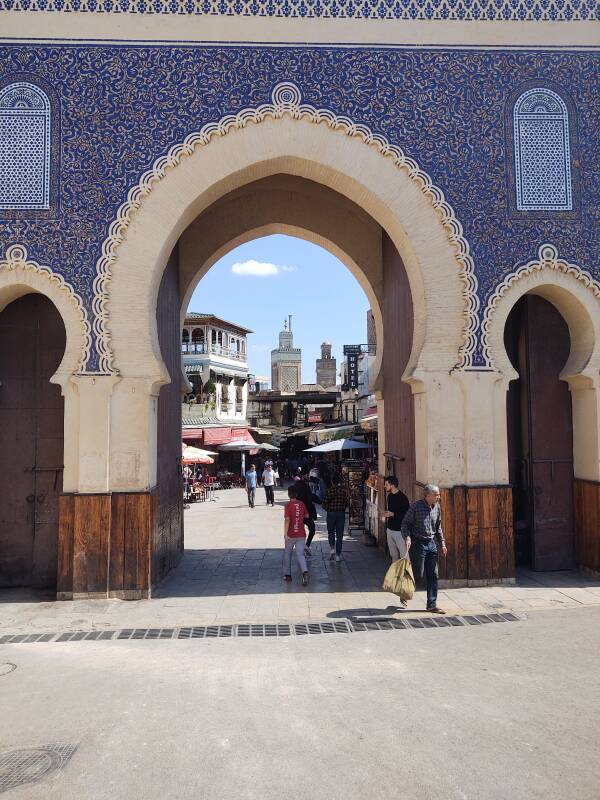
(576, 295)
(286, 136)
(20, 275)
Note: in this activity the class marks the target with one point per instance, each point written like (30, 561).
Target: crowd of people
(414, 530)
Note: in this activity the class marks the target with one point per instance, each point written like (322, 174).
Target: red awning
(224, 435)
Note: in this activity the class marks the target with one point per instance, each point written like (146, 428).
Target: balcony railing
(203, 349)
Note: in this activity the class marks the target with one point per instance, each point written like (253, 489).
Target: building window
(25, 147)
(542, 152)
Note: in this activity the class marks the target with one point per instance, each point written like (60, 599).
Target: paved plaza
(493, 712)
(231, 573)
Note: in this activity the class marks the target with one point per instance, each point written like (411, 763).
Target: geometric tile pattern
(542, 152)
(24, 147)
(484, 10)
(122, 106)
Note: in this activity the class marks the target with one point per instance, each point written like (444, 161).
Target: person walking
(294, 534)
(422, 532)
(251, 481)
(335, 504)
(305, 495)
(268, 480)
(397, 506)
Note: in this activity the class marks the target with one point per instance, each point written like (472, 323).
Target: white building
(215, 350)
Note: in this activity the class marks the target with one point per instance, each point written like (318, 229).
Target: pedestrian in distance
(294, 534)
(305, 495)
(251, 481)
(268, 480)
(422, 532)
(335, 504)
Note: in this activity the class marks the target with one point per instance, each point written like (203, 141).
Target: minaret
(286, 361)
(326, 367)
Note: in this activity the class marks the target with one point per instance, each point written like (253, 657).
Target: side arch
(19, 275)
(576, 295)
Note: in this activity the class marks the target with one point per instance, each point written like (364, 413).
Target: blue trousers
(424, 558)
(336, 521)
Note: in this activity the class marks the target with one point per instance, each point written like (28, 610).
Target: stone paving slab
(231, 573)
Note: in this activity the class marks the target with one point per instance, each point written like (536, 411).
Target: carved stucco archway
(287, 136)
(576, 295)
(290, 138)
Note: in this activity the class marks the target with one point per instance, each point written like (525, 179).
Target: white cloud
(260, 269)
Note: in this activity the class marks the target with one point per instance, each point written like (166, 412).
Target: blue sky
(259, 283)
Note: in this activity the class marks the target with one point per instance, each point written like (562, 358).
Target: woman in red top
(294, 514)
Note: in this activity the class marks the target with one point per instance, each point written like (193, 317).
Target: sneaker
(305, 578)
(332, 554)
(287, 578)
(338, 558)
(436, 610)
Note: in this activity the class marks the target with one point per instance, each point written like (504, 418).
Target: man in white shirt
(269, 484)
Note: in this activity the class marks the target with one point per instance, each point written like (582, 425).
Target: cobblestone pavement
(231, 573)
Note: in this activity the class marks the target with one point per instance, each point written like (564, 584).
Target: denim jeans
(251, 496)
(424, 558)
(270, 495)
(336, 521)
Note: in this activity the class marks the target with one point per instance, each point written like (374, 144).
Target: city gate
(446, 161)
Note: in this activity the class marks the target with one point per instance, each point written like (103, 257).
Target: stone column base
(478, 527)
(587, 524)
(105, 545)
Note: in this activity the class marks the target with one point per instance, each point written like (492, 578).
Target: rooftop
(199, 316)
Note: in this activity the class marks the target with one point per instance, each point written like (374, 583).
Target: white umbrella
(239, 446)
(187, 448)
(337, 445)
(193, 455)
(270, 448)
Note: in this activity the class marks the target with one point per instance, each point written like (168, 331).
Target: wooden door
(540, 436)
(32, 343)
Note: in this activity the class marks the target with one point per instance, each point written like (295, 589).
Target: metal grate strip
(265, 630)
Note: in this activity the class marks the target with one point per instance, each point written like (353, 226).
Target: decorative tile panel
(542, 152)
(24, 147)
(124, 106)
(484, 10)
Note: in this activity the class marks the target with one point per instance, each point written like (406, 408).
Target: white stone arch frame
(286, 136)
(576, 295)
(19, 275)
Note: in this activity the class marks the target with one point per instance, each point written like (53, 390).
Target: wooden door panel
(32, 342)
(553, 510)
(551, 437)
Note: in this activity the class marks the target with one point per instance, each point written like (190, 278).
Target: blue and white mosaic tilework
(542, 152)
(122, 107)
(24, 147)
(499, 10)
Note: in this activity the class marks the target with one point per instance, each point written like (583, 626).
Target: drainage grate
(260, 631)
(19, 767)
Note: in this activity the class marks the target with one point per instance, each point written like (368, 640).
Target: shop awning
(226, 435)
